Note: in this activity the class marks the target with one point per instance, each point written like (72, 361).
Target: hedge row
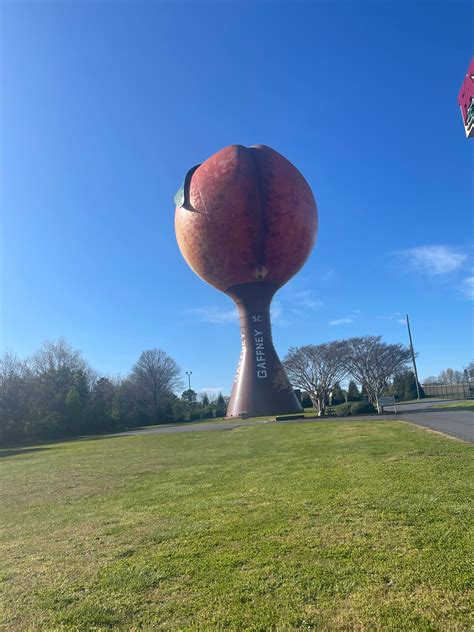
(354, 408)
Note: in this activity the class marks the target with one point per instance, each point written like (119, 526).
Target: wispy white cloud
(467, 288)
(326, 276)
(215, 315)
(398, 317)
(218, 316)
(346, 320)
(341, 321)
(211, 390)
(300, 303)
(277, 313)
(304, 299)
(433, 260)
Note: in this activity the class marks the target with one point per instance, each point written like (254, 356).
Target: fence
(461, 390)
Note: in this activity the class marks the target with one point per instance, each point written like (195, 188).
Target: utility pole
(413, 358)
(189, 373)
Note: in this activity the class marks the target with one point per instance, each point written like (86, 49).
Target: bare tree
(158, 375)
(61, 382)
(468, 372)
(372, 363)
(316, 369)
(450, 376)
(12, 370)
(13, 397)
(57, 356)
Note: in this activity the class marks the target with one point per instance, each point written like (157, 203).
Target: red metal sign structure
(466, 100)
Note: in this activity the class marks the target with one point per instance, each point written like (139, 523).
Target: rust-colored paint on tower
(246, 224)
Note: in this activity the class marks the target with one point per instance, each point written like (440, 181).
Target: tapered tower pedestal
(261, 386)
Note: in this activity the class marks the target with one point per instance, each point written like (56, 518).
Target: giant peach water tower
(246, 222)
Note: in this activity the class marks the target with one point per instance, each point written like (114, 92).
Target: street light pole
(413, 359)
(189, 373)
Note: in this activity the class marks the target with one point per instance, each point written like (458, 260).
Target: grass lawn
(330, 526)
(467, 404)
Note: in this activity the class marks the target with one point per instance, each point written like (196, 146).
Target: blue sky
(104, 108)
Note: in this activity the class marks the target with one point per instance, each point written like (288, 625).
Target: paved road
(459, 424)
(422, 405)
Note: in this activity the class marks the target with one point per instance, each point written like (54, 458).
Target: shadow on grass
(5, 453)
(48, 444)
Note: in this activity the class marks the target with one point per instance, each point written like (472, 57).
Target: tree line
(379, 368)
(402, 387)
(452, 376)
(55, 393)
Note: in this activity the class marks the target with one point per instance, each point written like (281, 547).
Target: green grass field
(328, 526)
(467, 404)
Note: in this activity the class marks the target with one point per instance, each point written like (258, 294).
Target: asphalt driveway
(457, 423)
